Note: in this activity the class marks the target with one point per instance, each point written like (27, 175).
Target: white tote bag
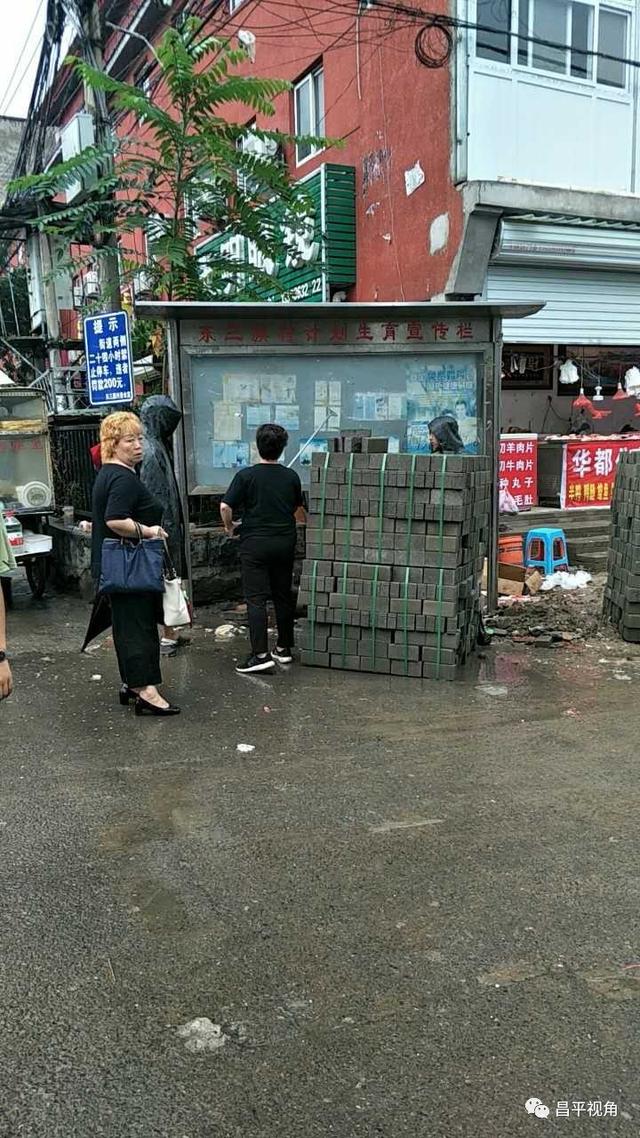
(174, 603)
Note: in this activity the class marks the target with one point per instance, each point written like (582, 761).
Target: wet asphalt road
(410, 908)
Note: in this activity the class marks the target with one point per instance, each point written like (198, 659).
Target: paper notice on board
(377, 406)
(397, 407)
(258, 413)
(288, 416)
(278, 388)
(335, 393)
(326, 418)
(241, 388)
(227, 422)
(382, 406)
(394, 445)
(312, 446)
(322, 391)
(230, 455)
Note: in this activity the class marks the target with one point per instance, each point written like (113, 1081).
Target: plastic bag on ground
(564, 580)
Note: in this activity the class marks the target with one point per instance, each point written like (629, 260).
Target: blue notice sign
(107, 345)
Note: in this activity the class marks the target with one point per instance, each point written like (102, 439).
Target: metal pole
(179, 450)
(52, 317)
(96, 104)
(492, 439)
(13, 302)
(330, 415)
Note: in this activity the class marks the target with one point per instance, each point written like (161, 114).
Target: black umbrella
(99, 621)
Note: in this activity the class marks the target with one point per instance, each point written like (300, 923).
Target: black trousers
(135, 618)
(267, 571)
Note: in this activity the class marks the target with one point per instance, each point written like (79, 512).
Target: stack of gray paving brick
(622, 592)
(395, 549)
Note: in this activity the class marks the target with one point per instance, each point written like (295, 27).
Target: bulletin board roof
(197, 310)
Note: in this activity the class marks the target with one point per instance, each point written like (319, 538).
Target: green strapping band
(383, 467)
(441, 569)
(323, 500)
(376, 571)
(405, 619)
(344, 610)
(349, 499)
(312, 619)
(412, 481)
(374, 610)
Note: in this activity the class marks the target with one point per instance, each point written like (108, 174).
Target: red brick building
(478, 178)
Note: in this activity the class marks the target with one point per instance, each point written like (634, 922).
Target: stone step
(587, 545)
(599, 520)
(593, 563)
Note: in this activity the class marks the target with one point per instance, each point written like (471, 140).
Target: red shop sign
(589, 471)
(519, 468)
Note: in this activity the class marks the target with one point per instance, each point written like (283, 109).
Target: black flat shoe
(126, 696)
(143, 707)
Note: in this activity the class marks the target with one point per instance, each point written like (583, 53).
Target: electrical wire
(6, 99)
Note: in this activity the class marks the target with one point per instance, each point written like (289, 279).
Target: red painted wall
(390, 110)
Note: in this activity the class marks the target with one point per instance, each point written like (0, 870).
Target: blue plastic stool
(546, 549)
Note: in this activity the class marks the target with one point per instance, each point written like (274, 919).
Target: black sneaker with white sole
(282, 655)
(256, 664)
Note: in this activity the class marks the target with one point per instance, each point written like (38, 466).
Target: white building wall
(520, 124)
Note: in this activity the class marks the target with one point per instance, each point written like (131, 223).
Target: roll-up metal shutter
(587, 246)
(581, 306)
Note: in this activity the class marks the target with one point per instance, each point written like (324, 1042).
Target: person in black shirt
(124, 507)
(267, 496)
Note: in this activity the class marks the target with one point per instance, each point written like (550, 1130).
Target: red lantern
(582, 401)
(620, 393)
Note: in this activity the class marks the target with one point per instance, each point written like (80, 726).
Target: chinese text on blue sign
(109, 364)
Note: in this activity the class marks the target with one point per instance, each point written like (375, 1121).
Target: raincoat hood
(445, 429)
(160, 417)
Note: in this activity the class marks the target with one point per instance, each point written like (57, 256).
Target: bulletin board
(392, 395)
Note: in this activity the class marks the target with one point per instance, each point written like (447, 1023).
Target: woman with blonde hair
(123, 507)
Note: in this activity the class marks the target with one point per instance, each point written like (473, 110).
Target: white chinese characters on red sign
(519, 468)
(589, 471)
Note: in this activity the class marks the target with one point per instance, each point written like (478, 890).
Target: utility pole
(42, 253)
(96, 103)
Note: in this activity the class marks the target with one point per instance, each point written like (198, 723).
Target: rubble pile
(555, 617)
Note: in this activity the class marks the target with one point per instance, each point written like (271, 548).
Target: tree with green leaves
(184, 173)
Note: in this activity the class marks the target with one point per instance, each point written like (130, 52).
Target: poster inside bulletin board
(391, 395)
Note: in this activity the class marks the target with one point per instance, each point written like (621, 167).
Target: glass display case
(26, 482)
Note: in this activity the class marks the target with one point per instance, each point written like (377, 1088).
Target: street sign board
(107, 344)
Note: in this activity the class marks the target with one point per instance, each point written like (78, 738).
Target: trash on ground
(225, 631)
(564, 580)
(508, 602)
(96, 677)
(202, 1035)
(245, 748)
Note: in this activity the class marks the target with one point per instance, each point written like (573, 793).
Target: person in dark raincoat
(160, 418)
(444, 435)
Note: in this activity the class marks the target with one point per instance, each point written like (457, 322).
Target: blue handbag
(132, 566)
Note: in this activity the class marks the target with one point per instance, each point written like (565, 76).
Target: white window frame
(317, 112)
(234, 5)
(592, 81)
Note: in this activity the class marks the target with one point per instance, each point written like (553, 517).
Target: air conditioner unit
(260, 147)
(76, 136)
